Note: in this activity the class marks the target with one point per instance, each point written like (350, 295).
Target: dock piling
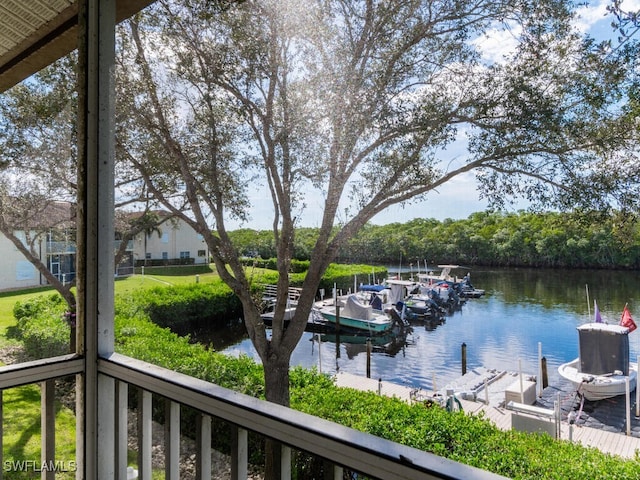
(319, 354)
(628, 405)
(368, 358)
(464, 358)
(638, 392)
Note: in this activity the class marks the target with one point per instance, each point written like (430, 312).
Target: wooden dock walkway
(614, 443)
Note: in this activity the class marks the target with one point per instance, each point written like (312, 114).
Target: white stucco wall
(17, 271)
(175, 237)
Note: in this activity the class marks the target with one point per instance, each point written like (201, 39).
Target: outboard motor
(396, 316)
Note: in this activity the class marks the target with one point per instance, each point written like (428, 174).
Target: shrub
(41, 326)
(344, 276)
(182, 305)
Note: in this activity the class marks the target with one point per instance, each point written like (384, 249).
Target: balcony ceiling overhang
(35, 33)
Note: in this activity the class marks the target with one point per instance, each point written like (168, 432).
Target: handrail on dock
(530, 409)
(270, 292)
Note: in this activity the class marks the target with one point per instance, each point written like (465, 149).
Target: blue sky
(458, 198)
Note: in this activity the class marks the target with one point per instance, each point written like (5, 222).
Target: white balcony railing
(342, 448)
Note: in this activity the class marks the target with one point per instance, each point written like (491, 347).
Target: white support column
(145, 438)
(203, 456)
(48, 429)
(122, 425)
(172, 440)
(106, 428)
(95, 239)
(285, 463)
(239, 453)
(1, 433)
(338, 472)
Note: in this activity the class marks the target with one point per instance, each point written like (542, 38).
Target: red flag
(627, 321)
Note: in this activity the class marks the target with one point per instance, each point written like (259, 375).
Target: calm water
(521, 308)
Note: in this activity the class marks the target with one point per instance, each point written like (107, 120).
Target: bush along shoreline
(469, 439)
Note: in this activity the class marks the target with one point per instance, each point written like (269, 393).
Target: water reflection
(522, 307)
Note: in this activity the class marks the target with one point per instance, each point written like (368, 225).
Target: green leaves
(41, 326)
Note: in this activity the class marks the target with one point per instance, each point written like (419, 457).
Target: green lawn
(156, 276)
(153, 277)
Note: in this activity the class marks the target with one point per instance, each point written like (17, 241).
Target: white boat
(357, 316)
(602, 367)
(444, 274)
(444, 281)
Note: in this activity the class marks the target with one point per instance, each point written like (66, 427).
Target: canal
(521, 308)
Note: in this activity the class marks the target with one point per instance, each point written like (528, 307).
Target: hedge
(42, 326)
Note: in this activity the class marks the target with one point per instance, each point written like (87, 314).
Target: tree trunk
(276, 379)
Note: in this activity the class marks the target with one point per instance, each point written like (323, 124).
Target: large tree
(37, 167)
(38, 173)
(359, 102)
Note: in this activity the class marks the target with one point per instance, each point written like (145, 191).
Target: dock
(610, 439)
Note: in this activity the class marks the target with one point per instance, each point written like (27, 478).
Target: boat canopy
(397, 290)
(603, 348)
(371, 288)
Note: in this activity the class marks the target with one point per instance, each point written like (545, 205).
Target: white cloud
(497, 44)
(590, 15)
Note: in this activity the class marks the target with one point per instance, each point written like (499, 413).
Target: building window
(202, 253)
(165, 255)
(147, 255)
(185, 255)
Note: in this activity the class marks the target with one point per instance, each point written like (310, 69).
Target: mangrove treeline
(523, 239)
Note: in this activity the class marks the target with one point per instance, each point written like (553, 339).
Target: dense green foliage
(180, 305)
(572, 240)
(41, 326)
(469, 439)
(138, 337)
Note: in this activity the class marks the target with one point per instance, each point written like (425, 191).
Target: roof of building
(38, 215)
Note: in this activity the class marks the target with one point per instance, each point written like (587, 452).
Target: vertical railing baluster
(144, 434)
(1, 433)
(172, 440)
(332, 471)
(285, 462)
(239, 453)
(203, 448)
(122, 425)
(48, 429)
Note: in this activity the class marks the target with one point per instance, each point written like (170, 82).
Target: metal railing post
(239, 453)
(203, 453)
(172, 440)
(48, 429)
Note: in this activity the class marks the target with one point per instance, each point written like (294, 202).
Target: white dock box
(512, 393)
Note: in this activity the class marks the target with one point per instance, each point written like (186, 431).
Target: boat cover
(372, 288)
(354, 309)
(603, 348)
